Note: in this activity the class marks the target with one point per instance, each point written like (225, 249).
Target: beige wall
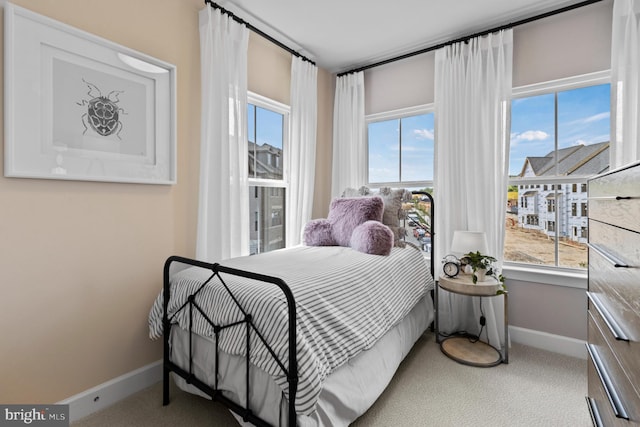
(401, 84)
(564, 45)
(81, 262)
(558, 310)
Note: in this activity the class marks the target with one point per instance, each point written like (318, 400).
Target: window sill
(556, 277)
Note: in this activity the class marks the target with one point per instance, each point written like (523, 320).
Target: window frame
(285, 110)
(395, 115)
(546, 274)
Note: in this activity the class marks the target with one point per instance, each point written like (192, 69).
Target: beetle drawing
(103, 113)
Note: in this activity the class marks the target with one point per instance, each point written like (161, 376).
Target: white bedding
(346, 301)
(346, 394)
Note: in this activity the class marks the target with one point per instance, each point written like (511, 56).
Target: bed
(352, 317)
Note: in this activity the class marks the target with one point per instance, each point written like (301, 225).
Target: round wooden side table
(461, 348)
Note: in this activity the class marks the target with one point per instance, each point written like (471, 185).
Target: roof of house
(262, 169)
(577, 160)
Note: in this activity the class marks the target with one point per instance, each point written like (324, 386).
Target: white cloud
(590, 119)
(533, 135)
(423, 133)
(529, 135)
(597, 117)
(414, 149)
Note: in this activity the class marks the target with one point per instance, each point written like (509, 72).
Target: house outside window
(267, 130)
(400, 154)
(559, 138)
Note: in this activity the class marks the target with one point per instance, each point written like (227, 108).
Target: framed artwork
(79, 107)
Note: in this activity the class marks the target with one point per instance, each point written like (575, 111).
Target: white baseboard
(112, 391)
(546, 341)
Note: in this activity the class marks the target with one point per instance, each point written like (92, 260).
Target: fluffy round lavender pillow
(372, 237)
(317, 232)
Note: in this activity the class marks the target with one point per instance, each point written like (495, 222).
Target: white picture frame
(79, 107)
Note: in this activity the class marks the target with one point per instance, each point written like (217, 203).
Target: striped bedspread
(345, 301)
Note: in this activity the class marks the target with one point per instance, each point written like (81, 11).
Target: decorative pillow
(345, 214)
(393, 212)
(317, 232)
(372, 237)
(352, 192)
(392, 205)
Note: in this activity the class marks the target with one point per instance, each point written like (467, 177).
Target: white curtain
(223, 211)
(348, 134)
(473, 88)
(625, 87)
(302, 147)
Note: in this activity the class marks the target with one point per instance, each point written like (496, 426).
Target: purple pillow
(372, 237)
(317, 232)
(345, 214)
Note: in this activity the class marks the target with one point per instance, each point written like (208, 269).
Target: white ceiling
(344, 34)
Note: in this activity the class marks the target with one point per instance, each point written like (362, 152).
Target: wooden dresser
(614, 298)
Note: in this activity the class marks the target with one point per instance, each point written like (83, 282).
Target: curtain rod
(467, 38)
(256, 30)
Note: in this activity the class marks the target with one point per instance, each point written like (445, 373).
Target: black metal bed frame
(216, 394)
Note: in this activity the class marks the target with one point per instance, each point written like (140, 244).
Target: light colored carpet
(536, 388)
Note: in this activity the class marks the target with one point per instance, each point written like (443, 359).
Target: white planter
(481, 274)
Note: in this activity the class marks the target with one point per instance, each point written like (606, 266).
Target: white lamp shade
(469, 241)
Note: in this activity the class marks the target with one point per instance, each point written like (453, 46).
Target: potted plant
(482, 265)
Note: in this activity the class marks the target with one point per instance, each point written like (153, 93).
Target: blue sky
(268, 124)
(417, 153)
(583, 118)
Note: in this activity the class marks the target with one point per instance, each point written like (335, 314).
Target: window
(267, 126)
(400, 155)
(583, 209)
(559, 138)
(400, 148)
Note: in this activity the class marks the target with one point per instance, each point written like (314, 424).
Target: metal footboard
(191, 304)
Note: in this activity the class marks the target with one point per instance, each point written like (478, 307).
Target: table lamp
(469, 241)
